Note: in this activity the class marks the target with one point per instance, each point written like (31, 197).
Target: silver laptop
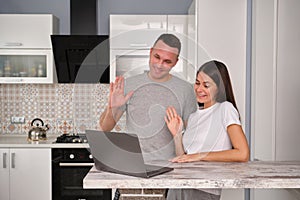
(120, 153)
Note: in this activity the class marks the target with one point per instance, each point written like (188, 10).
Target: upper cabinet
(19, 31)
(177, 25)
(132, 36)
(135, 31)
(25, 48)
(141, 31)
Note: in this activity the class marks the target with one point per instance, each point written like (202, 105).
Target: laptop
(120, 153)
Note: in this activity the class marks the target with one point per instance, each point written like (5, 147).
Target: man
(145, 98)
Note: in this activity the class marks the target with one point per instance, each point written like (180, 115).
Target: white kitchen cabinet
(127, 63)
(27, 66)
(191, 66)
(177, 25)
(19, 31)
(25, 173)
(136, 31)
(134, 35)
(4, 174)
(25, 48)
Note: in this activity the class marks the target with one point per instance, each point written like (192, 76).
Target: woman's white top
(207, 128)
(207, 131)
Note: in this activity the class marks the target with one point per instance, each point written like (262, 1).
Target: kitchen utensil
(38, 130)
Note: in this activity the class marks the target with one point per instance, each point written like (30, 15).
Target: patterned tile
(81, 125)
(82, 92)
(47, 93)
(51, 125)
(47, 110)
(9, 128)
(100, 92)
(65, 126)
(29, 101)
(64, 92)
(30, 109)
(95, 124)
(65, 107)
(29, 92)
(26, 127)
(64, 110)
(11, 108)
(81, 110)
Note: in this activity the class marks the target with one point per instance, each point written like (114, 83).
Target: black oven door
(67, 180)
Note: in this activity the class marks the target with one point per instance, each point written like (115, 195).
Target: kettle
(38, 131)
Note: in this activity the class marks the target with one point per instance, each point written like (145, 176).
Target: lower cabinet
(25, 173)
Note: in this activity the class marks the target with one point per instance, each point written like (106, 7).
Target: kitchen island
(253, 174)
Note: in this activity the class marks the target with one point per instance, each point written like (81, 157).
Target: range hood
(83, 19)
(82, 56)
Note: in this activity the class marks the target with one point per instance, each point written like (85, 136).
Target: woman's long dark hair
(218, 72)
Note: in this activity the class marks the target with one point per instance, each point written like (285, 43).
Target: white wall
(263, 91)
(276, 86)
(222, 33)
(222, 27)
(288, 81)
(276, 83)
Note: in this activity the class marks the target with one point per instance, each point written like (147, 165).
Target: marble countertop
(254, 174)
(20, 141)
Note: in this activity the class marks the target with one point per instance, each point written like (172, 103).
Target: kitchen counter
(20, 141)
(254, 174)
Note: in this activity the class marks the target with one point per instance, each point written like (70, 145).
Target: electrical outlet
(17, 120)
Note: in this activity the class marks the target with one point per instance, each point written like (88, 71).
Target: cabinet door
(4, 174)
(27, 66)
(191, 43)
(26, 31)
(128, 62)
(30, 174)
(177, 25)
(136, 31)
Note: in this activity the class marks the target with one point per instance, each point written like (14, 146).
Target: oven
(69, 167)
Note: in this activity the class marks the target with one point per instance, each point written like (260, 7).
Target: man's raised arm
(116, 101)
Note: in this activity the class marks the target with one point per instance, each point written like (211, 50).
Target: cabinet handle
(4, 160)
(14, 80)
(138, 45)
(76, 164)
(13, 44)
(13, 162)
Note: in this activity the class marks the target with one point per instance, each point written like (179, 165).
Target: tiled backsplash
(66, 108)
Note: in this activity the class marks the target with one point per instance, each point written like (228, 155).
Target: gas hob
(71, 138)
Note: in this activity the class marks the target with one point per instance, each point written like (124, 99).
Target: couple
(160, 106)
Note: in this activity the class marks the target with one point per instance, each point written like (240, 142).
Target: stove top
(71, 138)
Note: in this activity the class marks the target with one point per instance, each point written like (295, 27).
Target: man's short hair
(171, 40)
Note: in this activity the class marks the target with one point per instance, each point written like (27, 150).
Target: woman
(213, 132)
